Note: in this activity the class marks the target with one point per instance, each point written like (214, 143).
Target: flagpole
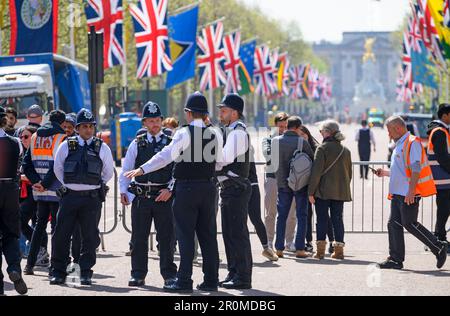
(233, 31)
(185, 8)
(211, 23)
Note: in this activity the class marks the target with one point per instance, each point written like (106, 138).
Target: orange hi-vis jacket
(425, 187)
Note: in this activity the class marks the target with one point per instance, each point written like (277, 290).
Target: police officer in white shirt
(83, 165)
(234, 170)
(10, 150)
(151, 199)
(195, 148)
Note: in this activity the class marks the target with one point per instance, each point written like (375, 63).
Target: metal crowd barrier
(106, 228)
(367, 213)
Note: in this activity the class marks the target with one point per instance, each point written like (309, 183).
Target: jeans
(309, 232)
(323, 210)
(285, 197)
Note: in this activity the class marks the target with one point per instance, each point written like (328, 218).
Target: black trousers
(76, 244)
(85, 210)
(236, 236)
(143, 212)
(364, 156)
(194, 213)
(443, 213)
(28, 213)
(9, 228)
(405, 216)
(44, 211)
(254, 213)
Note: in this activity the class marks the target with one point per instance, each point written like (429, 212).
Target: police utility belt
(146, 191)
(235, 182)
(100, 193)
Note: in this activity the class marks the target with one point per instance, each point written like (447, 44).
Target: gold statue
(369, 50)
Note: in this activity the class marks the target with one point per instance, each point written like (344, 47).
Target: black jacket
(49, 129)
(440, 145)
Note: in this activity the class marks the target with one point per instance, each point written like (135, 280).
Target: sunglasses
(24, 137)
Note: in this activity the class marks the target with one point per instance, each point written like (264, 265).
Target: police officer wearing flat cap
(83, 165)
(151, 198)
(194, 149)
(10, 150)
(233, 173)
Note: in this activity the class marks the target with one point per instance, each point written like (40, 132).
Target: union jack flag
(428, 29)
(232, 44)
(415, 36)
(313, 78)
(107, 17)
(152, 37)
(447, 13)
(405, 80)
(212, 57)
(264, 72)
(296, 73)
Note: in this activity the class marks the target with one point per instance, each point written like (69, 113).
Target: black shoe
(87, 281)
(57, 281)
(331, 248)
(309, 247)
(176, 288)
(442, 255)
(19, 283)
(390, 265)
(207, 288)
(28, 270)
(169, 282)
(237, 285)
(227, 279)
(136, 282)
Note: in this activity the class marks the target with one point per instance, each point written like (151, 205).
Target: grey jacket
(283, 149)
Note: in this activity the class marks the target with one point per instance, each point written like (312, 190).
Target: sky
(327, 19)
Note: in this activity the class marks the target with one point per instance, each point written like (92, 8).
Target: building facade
(346, 67)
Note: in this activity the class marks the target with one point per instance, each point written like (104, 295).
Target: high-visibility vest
(43, 152)
(425, 187)
(440, 175)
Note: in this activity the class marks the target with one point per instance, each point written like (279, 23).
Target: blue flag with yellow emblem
(183, 46)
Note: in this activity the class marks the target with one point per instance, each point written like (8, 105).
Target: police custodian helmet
(197, 103)
(85, 117)
(151, 110)
(233, 101)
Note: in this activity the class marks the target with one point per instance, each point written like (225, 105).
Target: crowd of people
(176, 176)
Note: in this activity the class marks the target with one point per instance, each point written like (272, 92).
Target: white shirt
(3, 134)
(236, 145)
(129, 162)
(105, 156)
(172, 152)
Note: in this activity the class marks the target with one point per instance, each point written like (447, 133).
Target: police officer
(439, 158)
(151, 198)
(83, 164)
(194, 148)
(235, 193)
(10, 150)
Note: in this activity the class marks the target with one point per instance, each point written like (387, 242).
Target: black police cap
(151, 110)
(445, 107)
(197, 103)
(2, 111)
(85, 117)
(233, 101)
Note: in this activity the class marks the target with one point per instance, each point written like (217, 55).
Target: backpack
(300, 169)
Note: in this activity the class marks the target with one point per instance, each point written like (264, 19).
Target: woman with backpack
(329, 187)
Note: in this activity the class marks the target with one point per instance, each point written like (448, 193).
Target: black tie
(154, 143)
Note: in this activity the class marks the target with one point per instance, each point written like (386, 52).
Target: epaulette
(141, 140)
(72, 142)
(165, 139)
(97, 142)
(240, 126)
